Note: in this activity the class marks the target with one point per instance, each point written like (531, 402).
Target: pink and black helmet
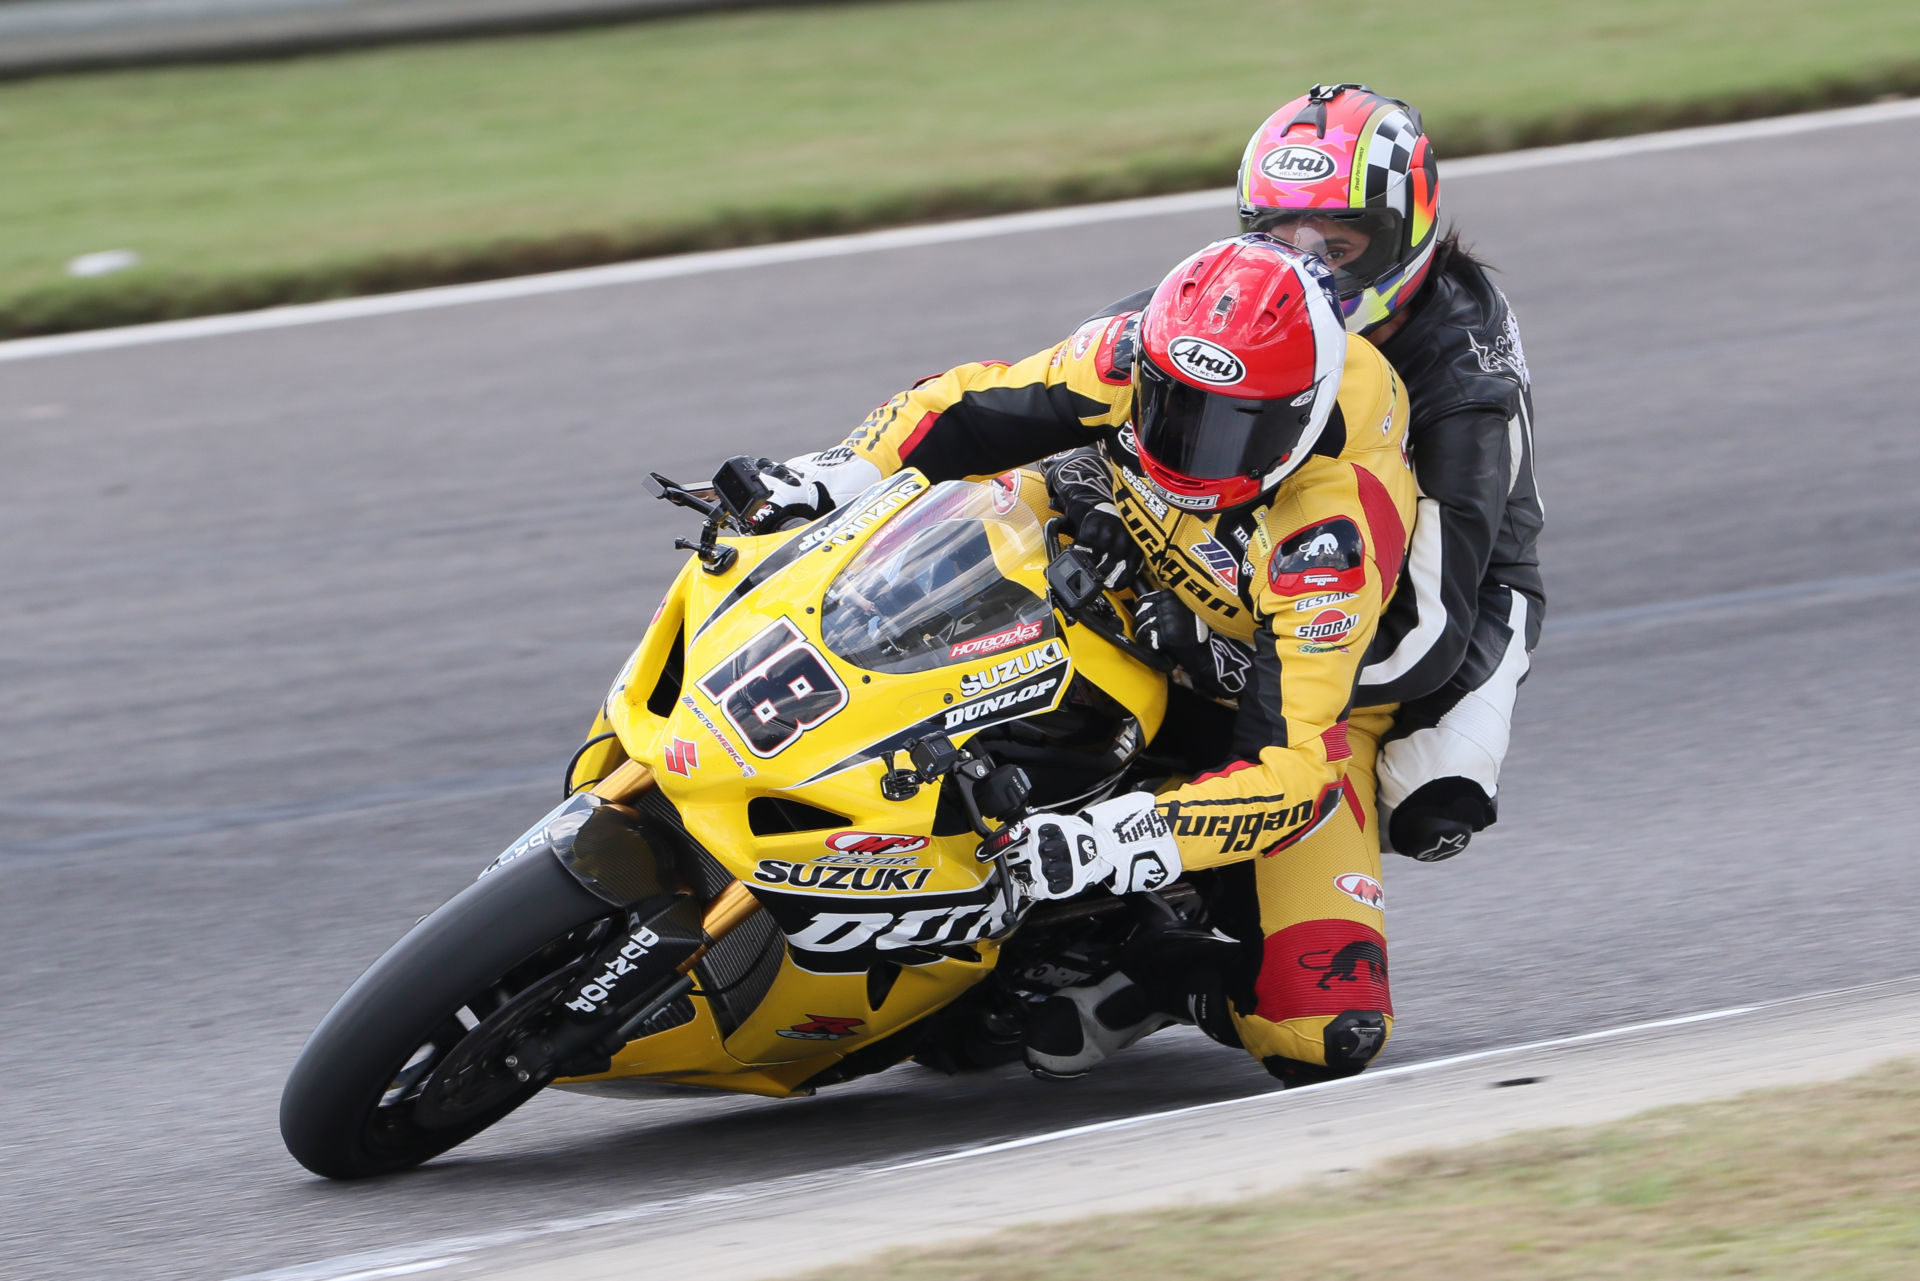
(1345, 157)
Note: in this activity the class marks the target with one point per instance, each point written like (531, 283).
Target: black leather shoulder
(1461, 348)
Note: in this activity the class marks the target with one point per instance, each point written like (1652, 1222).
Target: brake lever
(679, 495)
(714, 558)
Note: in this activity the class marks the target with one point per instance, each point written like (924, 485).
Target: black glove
(1438, 819)
(1162, 621)
(1117, 558)
(1083, 492)
(1215, 665)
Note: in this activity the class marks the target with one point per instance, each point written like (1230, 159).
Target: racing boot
(1077, 1028)
(1184, 967)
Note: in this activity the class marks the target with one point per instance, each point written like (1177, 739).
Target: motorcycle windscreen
(931, 588)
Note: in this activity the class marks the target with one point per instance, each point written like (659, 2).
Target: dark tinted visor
(1206, 435)
(1361, 245)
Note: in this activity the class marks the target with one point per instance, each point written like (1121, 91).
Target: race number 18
(775, 688)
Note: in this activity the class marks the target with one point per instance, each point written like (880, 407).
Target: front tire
(356, 1103)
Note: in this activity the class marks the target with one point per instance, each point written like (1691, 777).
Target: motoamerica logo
(1008, 669)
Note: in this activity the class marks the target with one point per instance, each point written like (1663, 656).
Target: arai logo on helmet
(1297, 164)
(1205, 361)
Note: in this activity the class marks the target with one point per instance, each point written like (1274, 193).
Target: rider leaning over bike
(1250, 457)
(1349, 174)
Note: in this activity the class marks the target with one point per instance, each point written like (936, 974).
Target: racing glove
(1084, 495)
(1122, 844)
(1438, 819)
(802, 490)
(1215, 665)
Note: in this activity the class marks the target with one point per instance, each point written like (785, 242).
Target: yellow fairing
(866, 885)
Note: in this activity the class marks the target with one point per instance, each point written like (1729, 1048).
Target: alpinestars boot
(1077, 1028)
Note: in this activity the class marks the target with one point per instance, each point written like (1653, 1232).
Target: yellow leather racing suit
(1300, 578)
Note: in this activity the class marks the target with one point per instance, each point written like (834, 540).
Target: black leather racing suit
(1472, 583)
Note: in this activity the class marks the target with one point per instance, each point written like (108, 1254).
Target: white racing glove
(808, 487)
(1122, 844)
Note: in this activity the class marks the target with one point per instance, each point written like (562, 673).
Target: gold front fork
(729, 907)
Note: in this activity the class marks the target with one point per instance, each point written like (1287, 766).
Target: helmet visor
(1361, 245)
(1209, 436)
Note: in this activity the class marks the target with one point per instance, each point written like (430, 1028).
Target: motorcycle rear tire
(330, 1110)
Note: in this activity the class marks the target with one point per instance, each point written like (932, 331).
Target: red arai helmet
(1237, 371)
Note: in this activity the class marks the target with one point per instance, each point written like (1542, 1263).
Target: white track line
(900, 238)
(426, 1255)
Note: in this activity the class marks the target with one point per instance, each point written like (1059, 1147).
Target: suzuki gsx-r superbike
(774, 869)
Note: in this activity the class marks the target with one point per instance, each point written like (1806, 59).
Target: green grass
(1780, 1186)
(246, 184)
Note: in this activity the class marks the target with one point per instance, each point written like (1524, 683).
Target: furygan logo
(1012, 668)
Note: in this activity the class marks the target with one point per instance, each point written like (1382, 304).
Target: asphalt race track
(301, 625)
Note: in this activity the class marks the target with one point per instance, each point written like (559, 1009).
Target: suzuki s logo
(1297, 164)
(1205, 362)
(681, 758)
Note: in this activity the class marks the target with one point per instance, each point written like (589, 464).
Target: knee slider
(1351, 1041)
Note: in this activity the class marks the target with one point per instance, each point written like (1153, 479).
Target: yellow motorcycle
(774, 867)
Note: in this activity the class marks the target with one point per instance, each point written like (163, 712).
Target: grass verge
(1791, 1184)
(245, 185)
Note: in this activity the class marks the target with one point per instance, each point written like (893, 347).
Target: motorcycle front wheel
(410, 1062)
